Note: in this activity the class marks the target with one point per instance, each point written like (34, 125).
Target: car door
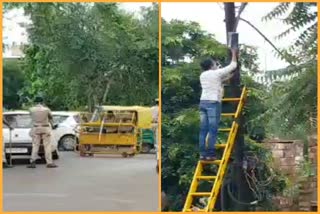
(61, 129)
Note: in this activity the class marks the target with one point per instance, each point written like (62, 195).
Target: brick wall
(288, 155)
(308, 190)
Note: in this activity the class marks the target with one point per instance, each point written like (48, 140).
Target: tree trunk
(238, 178)
(89, 102)
(106, 92)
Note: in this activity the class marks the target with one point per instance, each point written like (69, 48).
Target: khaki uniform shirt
(40, 119)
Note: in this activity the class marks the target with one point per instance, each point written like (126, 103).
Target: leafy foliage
(13, 82)
(294, 100)
(302, 17)
(83, 54)
(183, 40)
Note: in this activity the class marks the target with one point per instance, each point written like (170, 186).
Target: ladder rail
(222, 168)
(241, 103)
(226, 154)
(193, 187)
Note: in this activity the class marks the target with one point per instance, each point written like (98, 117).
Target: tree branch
(249, 23)
(106, 92)
(242, 7)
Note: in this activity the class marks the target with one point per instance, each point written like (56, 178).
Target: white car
(66, 133)
(20, 137)
(21, 142)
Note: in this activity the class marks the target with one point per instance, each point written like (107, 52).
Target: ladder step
(195, 210)
(216, 162)
(225, 130)
(206, 177)
(231, 99)
(201, 194)
(228, 114)
(221, 146)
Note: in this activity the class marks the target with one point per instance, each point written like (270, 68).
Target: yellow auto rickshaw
(114, 130)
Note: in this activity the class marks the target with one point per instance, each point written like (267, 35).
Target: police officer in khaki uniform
(41, 131)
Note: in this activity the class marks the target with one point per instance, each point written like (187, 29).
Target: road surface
(101, 183)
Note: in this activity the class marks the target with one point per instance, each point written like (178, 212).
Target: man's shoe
(51, 165)
(5, 165)
(211, 158)
(32, 165)
(202, 157)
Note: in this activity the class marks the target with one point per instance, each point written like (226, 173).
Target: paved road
(83, 184)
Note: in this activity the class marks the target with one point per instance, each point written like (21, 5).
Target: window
(57, 119)
(77, 118)
(19, 120)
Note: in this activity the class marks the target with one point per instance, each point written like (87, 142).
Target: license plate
(17, 150)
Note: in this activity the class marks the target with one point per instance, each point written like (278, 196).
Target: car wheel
(145, 148)
(67, 143)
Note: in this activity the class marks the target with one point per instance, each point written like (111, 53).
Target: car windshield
(77, 118)
(59, 118)
(19, 120)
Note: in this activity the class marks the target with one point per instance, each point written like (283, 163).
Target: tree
(13, 82)
(184, 46)
(303, 18)
(293, 103)
(83, 54)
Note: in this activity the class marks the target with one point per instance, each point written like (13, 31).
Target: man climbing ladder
(215, 177)
(211, 80)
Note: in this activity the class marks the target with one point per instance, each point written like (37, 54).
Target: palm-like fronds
(294, 100)
(302, 17)
(292, 105)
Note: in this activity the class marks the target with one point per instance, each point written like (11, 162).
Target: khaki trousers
(46, 140)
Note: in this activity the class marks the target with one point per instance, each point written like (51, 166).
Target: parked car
(21, 142)
(64, 136)
(66, 131)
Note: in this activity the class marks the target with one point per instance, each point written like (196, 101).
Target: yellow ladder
(222, 164)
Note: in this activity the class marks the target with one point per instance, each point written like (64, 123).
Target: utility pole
(230, 20)
(238, 178)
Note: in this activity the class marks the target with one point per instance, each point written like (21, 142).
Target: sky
(210, 16)
(13, 33)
